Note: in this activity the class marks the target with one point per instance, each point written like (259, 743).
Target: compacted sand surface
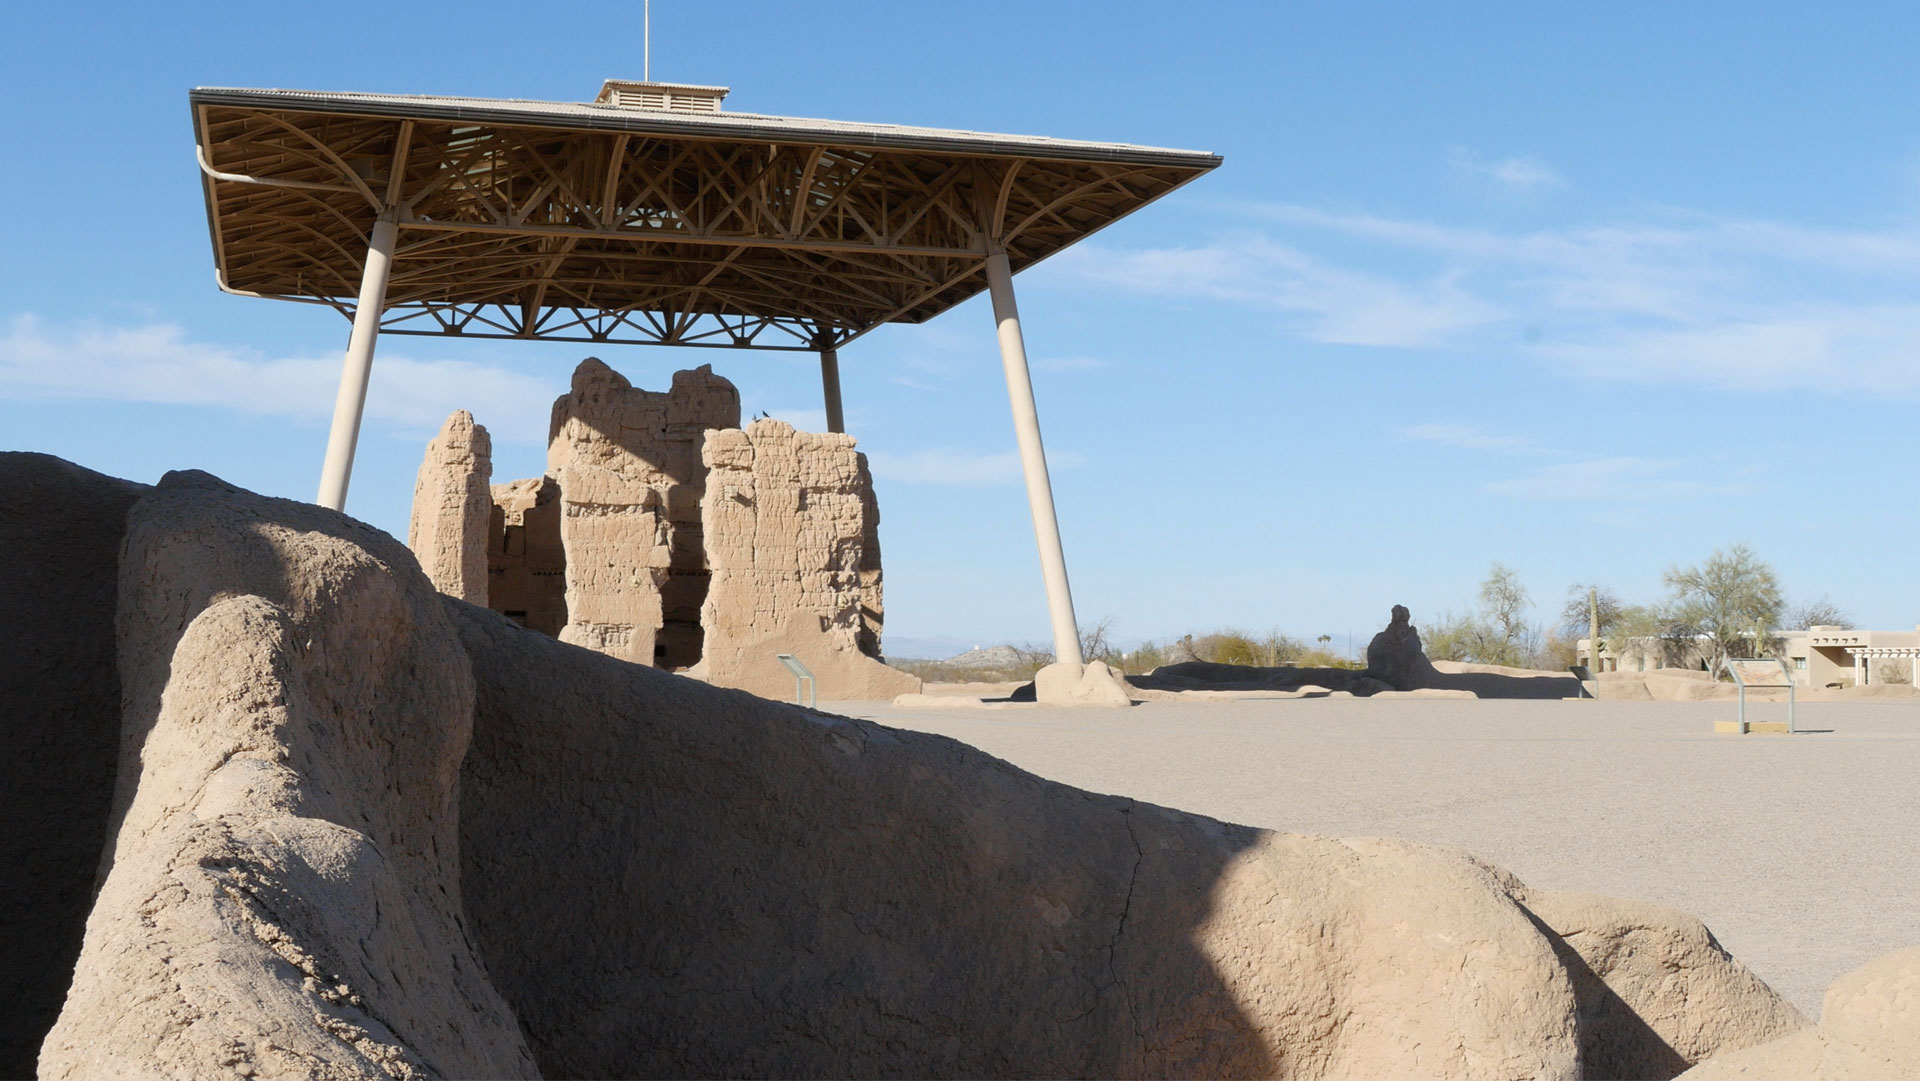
(1802, 853)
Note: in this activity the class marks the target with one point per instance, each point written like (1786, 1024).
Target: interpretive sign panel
(1760, 672)
(1585, 676)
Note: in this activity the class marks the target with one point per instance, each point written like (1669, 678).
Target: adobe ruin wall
(614, 548)
(451, 505)
(526, 566)
(787, 525)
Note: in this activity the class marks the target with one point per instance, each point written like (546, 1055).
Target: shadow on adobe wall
(667, 878)
(60, 528)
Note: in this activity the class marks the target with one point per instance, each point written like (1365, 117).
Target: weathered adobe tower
(663, 533)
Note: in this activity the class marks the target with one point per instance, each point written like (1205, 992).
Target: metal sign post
(1584, 675)
(801, 675)
(1768, 673)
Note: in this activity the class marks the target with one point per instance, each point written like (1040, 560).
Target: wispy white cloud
(915, 384)
(1672, 298)
(1069, 364)
(157, 363)
(1830, 349)
(945, 465)
(1551, 473)
(1521, 173)
(1558, 475)
(1613, 480)
(938, 337)
(1464, 436)
(1324, 302)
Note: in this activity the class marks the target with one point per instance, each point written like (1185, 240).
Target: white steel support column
(1033, 459)
(830, 384)
(352, 399)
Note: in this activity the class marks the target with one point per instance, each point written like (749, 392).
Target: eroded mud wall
(789, 516)
(448, 529)
(526, 564)
(631, 481)
(60, 527)
(282, 895)
(671, 879)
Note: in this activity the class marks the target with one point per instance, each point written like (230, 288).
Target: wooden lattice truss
(567, 232)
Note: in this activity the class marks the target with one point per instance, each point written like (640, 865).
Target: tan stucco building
(1829, 656)
(1819, 656)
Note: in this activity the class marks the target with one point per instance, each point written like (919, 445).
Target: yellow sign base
(1733, 727)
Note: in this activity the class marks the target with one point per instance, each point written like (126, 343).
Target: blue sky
(1586, 289)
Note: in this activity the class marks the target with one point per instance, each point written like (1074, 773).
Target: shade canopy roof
(609, 223)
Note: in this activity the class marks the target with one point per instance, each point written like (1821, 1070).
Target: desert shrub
(1227, 647)
(1557, 652)
(1142, 659)
(1450, 637)
(1325, 658)
(1234, 646)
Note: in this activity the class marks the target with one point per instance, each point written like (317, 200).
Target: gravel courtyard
(1801, 853)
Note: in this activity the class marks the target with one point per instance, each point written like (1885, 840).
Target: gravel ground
(1801, 853)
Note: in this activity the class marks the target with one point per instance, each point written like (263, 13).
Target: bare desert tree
(1096, 642)
(1510, 640)
(1733, 597)
(1497, 632)
(1653, 634)
(1816, 613)
(1575, 617)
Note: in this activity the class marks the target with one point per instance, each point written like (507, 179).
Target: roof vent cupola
(661, 97)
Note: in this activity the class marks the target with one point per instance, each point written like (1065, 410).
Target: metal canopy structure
(609, 223)
(648, 216)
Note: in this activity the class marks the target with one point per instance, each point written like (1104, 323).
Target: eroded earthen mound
(281, 892)
(1869, 1028)
(60, 712)
(311, 871)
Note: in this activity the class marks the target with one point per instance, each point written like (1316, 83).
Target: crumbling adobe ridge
(364, 830)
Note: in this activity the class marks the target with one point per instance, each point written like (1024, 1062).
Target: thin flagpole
(646, 42)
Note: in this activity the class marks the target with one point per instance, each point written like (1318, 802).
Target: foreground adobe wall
(282, 893)
(60, 526)
(756, 889)
(663, 877)
(1869, 1028)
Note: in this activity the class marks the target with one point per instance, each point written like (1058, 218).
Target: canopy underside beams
(595, 235)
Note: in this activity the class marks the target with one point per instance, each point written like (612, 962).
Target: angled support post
(351, 401)
(1033, 460)
(803, 681)
(830, 384)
